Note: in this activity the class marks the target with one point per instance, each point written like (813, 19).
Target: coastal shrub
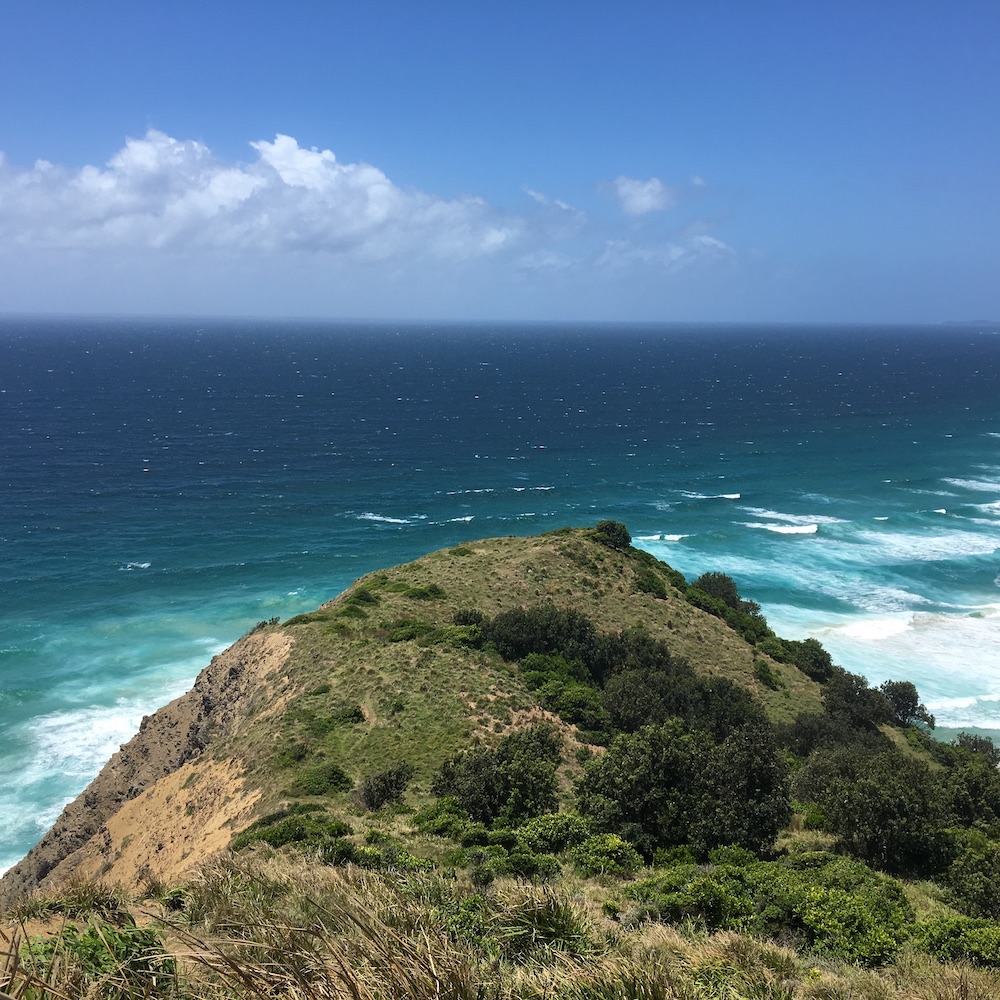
(717, 898)
(980, 745)
(648, 582)
(543, 628)
(811, 658)
(887, 808)
(579, 704)
(751, 625)
(406, 629)
(553, 833)
(614, 534)
(297, 825)
(775, 648)
(378, 790)
(829, 905)
(443, 818)
(606, 854)
(323, 779)
(974, 877)
(904, 704)
(848, 698)
(102, 959)
(763, 672)
(432, 592)
(512, 782)
(668, 785)
(968, 939)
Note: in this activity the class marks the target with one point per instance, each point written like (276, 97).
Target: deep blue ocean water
(164, 485)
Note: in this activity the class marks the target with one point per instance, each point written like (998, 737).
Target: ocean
(166, 484)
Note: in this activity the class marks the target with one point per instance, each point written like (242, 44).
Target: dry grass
(267, 925)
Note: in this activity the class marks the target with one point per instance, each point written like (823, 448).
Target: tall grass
(264, 925)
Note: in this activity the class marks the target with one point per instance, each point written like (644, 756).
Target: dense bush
(323, 779)
(515, 781)
(553, 833)
(826, 904)
(301, 826)
(974, 877)
(904, 703)
(648, 582)
(378, 790)
(668, 785)
(606, 854)
(614, 534)
(888, 808)
(951, 939)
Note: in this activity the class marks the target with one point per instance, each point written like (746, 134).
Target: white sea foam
(456, 520)
(661, 538)
(978, 485)
(785, 529)
(709, 496)
(810, 519)
(382, 519)
(135, 565)
(899, 547)
(942, 653)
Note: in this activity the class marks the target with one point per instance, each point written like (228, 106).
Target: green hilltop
(545, 766)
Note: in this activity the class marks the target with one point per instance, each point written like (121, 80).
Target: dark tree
(614, 534)
(848, 697)
(668, 785)
(510, 783)
(905, 703)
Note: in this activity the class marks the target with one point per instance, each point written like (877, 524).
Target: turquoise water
(165, 485)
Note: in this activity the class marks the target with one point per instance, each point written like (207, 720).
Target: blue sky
(711, 161)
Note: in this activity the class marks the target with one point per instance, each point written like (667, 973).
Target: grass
(269, 925)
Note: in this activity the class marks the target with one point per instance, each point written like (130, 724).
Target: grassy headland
(523, 767)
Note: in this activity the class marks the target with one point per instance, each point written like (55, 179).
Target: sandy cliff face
(161, 803)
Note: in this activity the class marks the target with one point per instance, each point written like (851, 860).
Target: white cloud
(638, 197)
(164, 193)
(620, 253)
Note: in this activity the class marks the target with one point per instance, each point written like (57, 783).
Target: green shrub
(951, 939)
(515, 781)
(323, 779)
(763, 672)
(648, 582)
(432, 592)
(378, 790)
(553, 833)
(443, 818)
(408, 628)
(606, 854)
(131, 961)
(303, 826)
(614, 534)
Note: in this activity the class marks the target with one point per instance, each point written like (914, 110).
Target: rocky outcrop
(175, 736)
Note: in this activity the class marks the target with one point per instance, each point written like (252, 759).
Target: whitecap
(369, 516)
(979, 485)
(456, 520)
(134, 565)
(660, 538)
(926, 547)
(709, 496)
(775, 515)
(785, 529)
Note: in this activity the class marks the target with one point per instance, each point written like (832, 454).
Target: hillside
(203, 766)
(520, 752)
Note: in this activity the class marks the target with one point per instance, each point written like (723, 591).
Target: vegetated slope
(376, 676)
(531, 767)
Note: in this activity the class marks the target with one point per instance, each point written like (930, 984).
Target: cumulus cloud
(163, 193)
(637, 197)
